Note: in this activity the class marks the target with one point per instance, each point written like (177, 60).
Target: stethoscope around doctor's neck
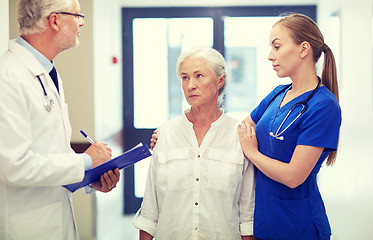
(47, 102)
(303, 103)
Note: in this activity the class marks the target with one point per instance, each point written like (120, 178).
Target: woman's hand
(153, 140)
(248, 140)
(291, 174)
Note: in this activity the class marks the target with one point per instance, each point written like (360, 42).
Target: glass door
(152, 41)
(153, 38)
(158, 96)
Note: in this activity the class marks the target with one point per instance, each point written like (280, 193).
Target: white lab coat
(36, 158)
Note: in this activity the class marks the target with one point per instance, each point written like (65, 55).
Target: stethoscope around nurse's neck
(304, 105)
(47, 102)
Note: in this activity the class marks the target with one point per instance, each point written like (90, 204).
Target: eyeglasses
(79, 15)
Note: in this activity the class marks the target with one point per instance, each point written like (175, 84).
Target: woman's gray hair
(33, 13)
(213, 58)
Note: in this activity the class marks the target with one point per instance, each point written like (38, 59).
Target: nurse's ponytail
(329, 79)
(329, 72)
(303, 28)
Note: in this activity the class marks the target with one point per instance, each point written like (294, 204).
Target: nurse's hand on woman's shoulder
(248, 141)
(153, 140)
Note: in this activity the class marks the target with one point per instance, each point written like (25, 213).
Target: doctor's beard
(67, 40)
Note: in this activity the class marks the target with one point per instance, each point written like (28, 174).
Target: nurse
(290, 134)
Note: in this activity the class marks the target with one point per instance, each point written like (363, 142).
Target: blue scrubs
(282, 213)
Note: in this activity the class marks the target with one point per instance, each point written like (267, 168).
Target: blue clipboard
(125, 160)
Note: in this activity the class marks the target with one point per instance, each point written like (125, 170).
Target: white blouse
(194, 192)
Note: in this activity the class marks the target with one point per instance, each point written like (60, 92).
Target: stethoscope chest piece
(47, 102)
(277, 136)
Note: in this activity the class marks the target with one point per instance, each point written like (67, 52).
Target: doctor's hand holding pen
(100, 153)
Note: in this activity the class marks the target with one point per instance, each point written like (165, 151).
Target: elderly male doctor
(36, 159)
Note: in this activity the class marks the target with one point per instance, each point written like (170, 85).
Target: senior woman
(199, 185)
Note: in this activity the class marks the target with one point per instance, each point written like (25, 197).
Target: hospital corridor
(121, 84)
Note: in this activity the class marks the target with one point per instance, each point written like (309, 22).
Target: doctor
(35, 154)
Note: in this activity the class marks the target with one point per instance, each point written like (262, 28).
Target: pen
(87, 137)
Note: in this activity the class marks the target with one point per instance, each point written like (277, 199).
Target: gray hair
(213, 58)
(33, 13)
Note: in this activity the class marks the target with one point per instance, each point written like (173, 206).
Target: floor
(122, 230)
(111, 223)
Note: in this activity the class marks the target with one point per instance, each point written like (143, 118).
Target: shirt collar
(47, 65)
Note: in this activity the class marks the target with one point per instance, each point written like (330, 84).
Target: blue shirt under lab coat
(282, 213)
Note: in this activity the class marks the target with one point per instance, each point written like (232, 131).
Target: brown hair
(303, 28)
